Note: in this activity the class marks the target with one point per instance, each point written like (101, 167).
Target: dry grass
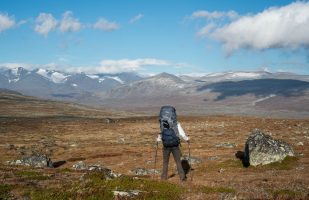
(123, 144)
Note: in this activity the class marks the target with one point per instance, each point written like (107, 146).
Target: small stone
(300, 168)
(213, 158)
(121, 141)
(143, 171)
(226, 145)
(18, 162)
(80, 166)
(221, 170)
(130, 193)
(191, 159)
(73, 144)
(300, 144)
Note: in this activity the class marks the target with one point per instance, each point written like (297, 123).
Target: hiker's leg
(176, 154)
(166, 156)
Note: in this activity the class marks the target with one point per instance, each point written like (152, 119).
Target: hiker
(171, 132)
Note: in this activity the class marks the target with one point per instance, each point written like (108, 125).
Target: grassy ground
(125, 144)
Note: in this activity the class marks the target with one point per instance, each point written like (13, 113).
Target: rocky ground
(126, 144)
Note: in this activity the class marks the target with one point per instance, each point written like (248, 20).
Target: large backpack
(168, 125)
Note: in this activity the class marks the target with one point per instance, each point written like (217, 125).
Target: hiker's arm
(182, 133)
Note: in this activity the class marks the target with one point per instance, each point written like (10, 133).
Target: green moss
(230, 164)
(96, 186)
(65, 170)
(5, 191)
(287, 164)
(150, 189)
(31, 175)
(207, 190)
(50, 194)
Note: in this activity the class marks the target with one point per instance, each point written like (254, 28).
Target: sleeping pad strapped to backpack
(168, 124)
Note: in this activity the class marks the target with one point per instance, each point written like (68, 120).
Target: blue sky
(149, 37)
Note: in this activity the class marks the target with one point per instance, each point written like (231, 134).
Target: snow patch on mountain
(236, 74)
(93, 76)
(102, 78)
(245, 75)
(116, 78)
(264, 98)
(53, 76)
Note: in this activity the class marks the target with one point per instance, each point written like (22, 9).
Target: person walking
(171, 132)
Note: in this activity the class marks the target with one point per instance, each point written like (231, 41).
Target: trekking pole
(155, 160)
(191, 170)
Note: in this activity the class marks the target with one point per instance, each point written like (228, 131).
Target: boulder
(108, 173)
(262, 149)
(34, 160)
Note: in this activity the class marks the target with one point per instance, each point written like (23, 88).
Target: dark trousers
(176, 154)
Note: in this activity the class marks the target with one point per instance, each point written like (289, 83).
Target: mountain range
(242, 92)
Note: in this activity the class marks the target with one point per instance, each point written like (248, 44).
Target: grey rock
(143, 171)
(226, 145)
(121, 141)
(300, 144)
(130, 193)
(213, 158)
(34, 160)
(108, 173)
(109, 120)
(80, 165)
(192, 159)
(262, 149)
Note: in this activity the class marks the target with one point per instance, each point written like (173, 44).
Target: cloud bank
(104, 66)
(276, 27)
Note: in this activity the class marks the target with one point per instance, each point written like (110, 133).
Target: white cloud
(45, 23)
(122, 65)
(206, 30)
(126, 65)
(6, 22)
(69, 23)
(214, 15)
(136, 18)
(15, 65)
(28, 66)
(276, 27)
(105, 25)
